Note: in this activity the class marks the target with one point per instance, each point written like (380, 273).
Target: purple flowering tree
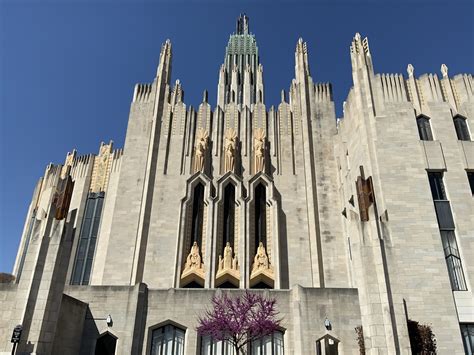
(239, 320)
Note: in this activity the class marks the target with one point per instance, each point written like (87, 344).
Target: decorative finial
(204, 96)
(283, 96)
(444, 70)
(242, 25)
(357, 36)
(410, 70)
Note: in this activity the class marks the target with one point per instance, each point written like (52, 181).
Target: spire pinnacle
(242, 25)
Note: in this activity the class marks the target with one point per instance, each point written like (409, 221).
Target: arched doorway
(106, 344)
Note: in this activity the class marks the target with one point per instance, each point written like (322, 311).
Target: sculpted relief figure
(228, 262)
(261, 259)
(230, 149)
(259, 149)
(200, 149)
(193, 261)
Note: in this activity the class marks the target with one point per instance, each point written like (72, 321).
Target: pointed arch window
(424, 128)
(462, 131)
(260, 216)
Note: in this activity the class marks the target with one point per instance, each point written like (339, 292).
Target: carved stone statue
(228, 267)
(193, 261)
(444, 70)
(200, 149)
(227, 262)
(230, 148)
(260, 260)
(259, 150)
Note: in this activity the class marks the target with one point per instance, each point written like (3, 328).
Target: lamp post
(107, 319)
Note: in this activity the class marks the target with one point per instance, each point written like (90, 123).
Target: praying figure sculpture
(193, 261)
(260, 260)
(259, 150)
(200, 149)
(230, 149)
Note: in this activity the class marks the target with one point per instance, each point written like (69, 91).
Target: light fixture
(109, 320)
(327, 324)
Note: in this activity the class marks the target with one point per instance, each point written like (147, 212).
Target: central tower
(241, 75)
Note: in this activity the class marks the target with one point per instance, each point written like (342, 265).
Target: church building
(362, 222)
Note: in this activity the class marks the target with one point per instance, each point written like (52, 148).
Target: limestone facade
(333, 217)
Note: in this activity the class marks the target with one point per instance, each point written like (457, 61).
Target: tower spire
(242, 25)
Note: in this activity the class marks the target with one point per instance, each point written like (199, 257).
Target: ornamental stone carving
(101, 170)
(193, 268)
(202, 137)
(259, 150)
(228, 268)
(68, 163)
(230, 149)
(262, 271)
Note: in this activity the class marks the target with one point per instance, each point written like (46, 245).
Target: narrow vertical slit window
(260, 216)
(470, 179)
(424, 128)
(87, 239)
(198, 212)
(229, 216)
(460, 124)
(446, 227)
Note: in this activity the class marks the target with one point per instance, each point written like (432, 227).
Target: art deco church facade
(363, 221)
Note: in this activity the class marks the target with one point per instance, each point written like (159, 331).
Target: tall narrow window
(467, 332)
(460, 124)
(424, 128)
(31, 224)
(167, 340)
(436, 185)
(229, 216)
(198, 211)
(446, 227)
(87, 239)
(260, 216)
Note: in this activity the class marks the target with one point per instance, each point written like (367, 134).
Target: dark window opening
(467, 332)
(460, 124)
(453, 260)
(470, 178)
(424, 128)
(198, 212)
(87, 239)
(436, 184)
(229, 216)
(228, 284)
(260, 217)
(106, 345)
(192, 284)
(262, 285)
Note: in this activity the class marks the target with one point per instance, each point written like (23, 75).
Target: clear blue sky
(68, 71)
